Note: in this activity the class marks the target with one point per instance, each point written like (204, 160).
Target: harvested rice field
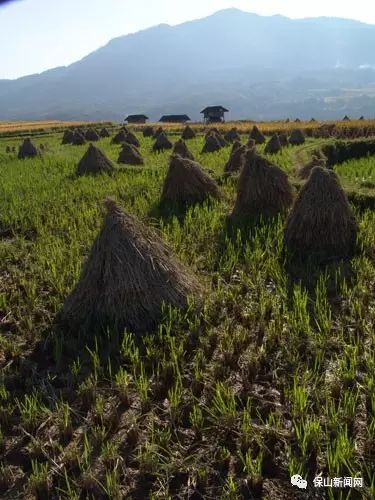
(182, 350)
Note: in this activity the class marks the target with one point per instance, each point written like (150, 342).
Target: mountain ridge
(260, 67)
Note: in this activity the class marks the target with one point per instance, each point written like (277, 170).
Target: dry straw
(263, 188)
(148, 132)
(187, 183)
(297, 137)
(92, 135)
(27, 150)
(257, 135)
(188, 133)
(78, 139)
(237, 158)
(273, 146)
(321, 224)
(67, 137)
(232, 135)
(130, 138)
(130, 155)
(162, 142)
(104, 133)
(120, 137)
(94, 162)
(305, 171)
(211, 144)
(129, 275)
(181, 149)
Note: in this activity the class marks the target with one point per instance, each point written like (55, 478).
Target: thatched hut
(181, 149)
(92, 135)
(232, 135)
(130, 155)
(188, 133)
(94, 162)
(78, 138)
(257, 135)
(104, 133)
(305, 171)
(27, 150)
(236, 159)
(273, 146)
(187, 183)
(162, 142)
(120, 137)
(130, 138)
(297, 137)
(211, 144)
(127, 279)
(263, 188)
(321, 224)
(148, 132)
(67, 137)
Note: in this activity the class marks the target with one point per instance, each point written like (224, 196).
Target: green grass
(275, 376)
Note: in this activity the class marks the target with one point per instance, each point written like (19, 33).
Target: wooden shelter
(136, 119)
(174, 119)
(214, 114)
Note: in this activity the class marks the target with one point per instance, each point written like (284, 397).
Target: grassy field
(275, 377)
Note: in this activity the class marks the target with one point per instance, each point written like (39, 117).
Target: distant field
(242, 126)
(39, 126)
(20, 126)
(275, 377)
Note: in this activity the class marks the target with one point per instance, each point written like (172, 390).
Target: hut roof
(136, 117)
(67, 137)
(174, 118)
(215, 109)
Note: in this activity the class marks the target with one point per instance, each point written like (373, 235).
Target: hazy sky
(40, 34)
